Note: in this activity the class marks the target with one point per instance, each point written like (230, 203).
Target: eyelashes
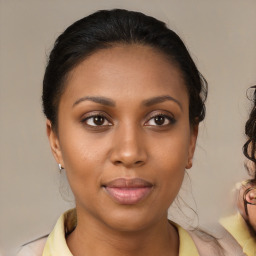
(99, 120)
(160, 120)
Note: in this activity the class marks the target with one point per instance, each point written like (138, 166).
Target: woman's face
(124, 136)
(252, 211)
(251, 216)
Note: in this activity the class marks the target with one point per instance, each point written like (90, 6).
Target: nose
(129, 148)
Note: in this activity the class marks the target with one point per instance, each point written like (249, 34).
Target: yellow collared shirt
(56, 242)
(237, 227)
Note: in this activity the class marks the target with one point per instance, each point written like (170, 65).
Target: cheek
(171, 158)
(81, 149)
(172, 175)
(84, 159)
(168, 183)
(252, 215)
(172, 151)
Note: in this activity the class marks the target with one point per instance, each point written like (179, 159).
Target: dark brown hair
(249, 148)
(105, 28)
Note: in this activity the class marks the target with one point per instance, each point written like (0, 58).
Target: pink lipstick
(128, 191)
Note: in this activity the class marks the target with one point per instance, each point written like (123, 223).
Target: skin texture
(128, 145)
(251, 217)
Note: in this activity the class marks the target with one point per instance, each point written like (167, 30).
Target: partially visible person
(242, 226)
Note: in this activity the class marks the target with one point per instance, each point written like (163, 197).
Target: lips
(128, 191)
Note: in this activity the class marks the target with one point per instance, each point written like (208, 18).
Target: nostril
(118, 162)
(134, 164)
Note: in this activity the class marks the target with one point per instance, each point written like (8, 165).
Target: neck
(94, 238)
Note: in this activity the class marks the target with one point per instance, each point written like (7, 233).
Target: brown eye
(160, 120)
(97, 120)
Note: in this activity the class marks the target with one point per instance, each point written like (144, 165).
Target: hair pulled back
(249, 148)
(104, 29)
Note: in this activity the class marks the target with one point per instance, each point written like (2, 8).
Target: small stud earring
(60, 167)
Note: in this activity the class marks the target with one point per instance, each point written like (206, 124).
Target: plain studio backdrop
(221, 37)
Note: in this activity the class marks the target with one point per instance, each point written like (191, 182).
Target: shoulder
(33, 248)
(235, 225)
(223, 244)
(197, 242)
(186, 244)
(239, 230)
(55, 242)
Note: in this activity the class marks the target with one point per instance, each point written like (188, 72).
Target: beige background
(221, 36)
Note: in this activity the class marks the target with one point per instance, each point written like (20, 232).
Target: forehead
(130, 71)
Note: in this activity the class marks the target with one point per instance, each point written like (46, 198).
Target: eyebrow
(100, 100)
(108, 102)
(159, 99)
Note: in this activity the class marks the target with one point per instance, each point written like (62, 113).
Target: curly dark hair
(249, 148)
(106, 28)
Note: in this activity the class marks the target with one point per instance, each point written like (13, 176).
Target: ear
(54, 143)
(192, 145)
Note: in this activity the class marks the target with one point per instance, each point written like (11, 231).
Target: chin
(129, 220)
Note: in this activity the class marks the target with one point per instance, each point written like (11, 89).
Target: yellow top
(237, 227)
(56, 243)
